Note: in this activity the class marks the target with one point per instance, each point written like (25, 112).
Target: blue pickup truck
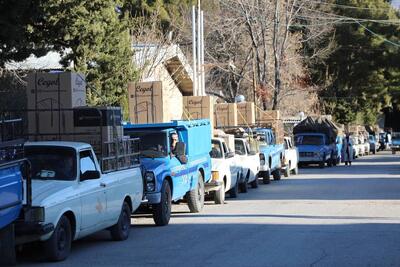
(317, 141)
(175, 162)
(271, 154)
(11, 189)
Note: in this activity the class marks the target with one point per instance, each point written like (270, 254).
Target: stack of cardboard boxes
(272, 118)
(246, 113)
(225, 114)
(198, 107)
(56, 107)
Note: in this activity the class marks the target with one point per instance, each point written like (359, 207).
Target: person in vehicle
(347, 150)
(174, 141)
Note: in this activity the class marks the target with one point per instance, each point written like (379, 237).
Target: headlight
(149, 177)
(215, 175)
(34, 214)
(150, 181)
(262, 159)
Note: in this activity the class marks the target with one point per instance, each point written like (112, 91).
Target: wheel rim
(125, 222)
(62, 238)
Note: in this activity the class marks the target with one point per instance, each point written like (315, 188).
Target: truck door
(92, 194)
(179, 170)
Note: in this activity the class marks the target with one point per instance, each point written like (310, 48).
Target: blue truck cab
(271, 154)
(314, 148)
(173, 171)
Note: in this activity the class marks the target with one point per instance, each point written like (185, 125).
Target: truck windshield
(309, 140)
(52, 163)
(152, 145)
(216, 150)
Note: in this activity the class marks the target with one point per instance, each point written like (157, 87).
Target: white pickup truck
(291, 158)
(250, 162)
(226, 171)
(72, 196)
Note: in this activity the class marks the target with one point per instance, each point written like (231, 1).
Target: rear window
(309, 140)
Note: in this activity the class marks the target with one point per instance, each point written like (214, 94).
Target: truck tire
(233, 193)
(296, 170)
(195, 197)
(266, 177)
(7, 246)
(243, 186)
(219, 195)
(254, 183)
(58, 246)
(162, 210)
(276, 174)
(120, 231)
(286, 171)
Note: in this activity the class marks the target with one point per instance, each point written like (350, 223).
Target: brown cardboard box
(48, 97)
(55, 90)
(146, 103)
(49, 122)
(198, 107)
(246, 113)
(267, 115)
(225, 114)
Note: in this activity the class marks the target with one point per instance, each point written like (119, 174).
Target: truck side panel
(10, 194)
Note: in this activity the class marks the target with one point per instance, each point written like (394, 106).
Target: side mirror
(180, 149)
(90, 175)
(230, 155)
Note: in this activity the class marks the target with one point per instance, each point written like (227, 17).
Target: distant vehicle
(356, 147)
(226, 171)
(316, 141)
(395, 142)
(174, 173)
(373, 145)
(290, 159)
(73, 196)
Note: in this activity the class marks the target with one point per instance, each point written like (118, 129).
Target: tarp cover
(317, 125)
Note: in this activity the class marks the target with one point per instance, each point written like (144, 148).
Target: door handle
(103, 185)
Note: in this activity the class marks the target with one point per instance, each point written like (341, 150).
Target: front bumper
(212, 186)
(264, 168)
(310, 159)
(31, 231)
(395, 147)
(153, 198)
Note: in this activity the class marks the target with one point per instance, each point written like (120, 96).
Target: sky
(396, 3)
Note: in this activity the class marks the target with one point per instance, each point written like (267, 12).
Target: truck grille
(306, 154)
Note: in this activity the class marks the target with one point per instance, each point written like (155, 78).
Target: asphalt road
(341, 216)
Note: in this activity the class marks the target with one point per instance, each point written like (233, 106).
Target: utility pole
(195, 84)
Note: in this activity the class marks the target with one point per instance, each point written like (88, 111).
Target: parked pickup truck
(11, 198)
(271, 155)
(315, 139)
(249, 161)
(226, 171)
(175, 162)
(72, 196)
(290, 159)
(395, 142)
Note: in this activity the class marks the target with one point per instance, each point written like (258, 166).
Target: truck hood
(396, 142)
(155, 165)
(310, 148)
(44, 191)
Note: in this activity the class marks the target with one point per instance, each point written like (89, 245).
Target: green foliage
(364, 69)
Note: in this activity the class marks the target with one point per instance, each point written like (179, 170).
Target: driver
(66, 170)
(174, 141)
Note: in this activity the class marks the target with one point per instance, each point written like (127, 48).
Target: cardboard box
(49, 96)
(225, 114)
(55, 90)
(49, 122)
(246, 113)
(228, 138)
(267, 115)
(198, 107)
(146, 102)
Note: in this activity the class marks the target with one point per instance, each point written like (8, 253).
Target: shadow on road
(238, 244)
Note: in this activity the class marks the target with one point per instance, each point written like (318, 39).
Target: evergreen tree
(364, 69)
